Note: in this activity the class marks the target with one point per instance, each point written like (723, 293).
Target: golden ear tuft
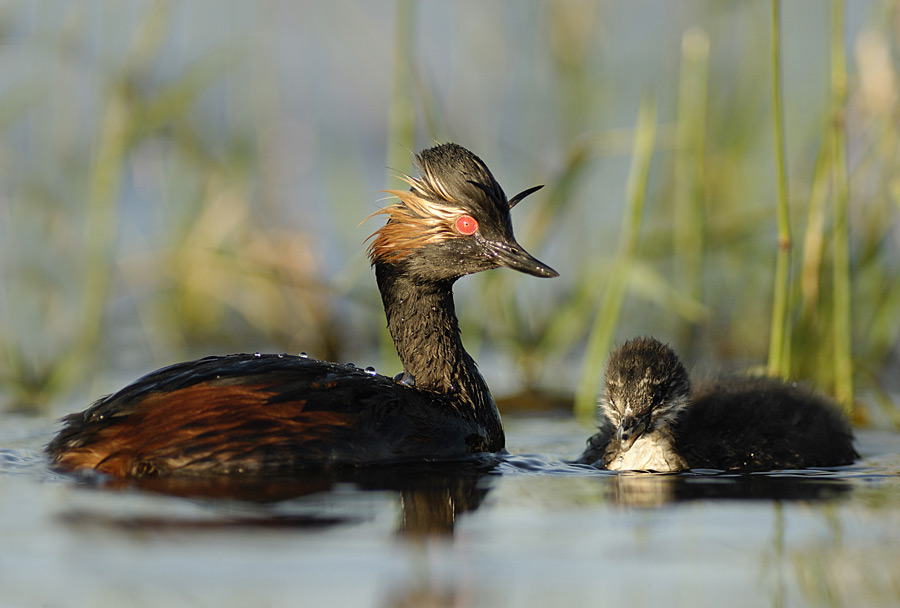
(413, 222)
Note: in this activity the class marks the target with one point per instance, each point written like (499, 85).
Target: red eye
(466, 224)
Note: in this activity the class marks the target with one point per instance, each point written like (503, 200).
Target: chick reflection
(639, 489)
(642, 490)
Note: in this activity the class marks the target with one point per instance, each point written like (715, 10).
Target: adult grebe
(274, 414)
(736, 423)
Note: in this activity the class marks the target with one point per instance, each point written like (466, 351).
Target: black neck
(422, 320)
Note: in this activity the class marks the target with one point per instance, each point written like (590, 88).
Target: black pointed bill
(630, 429)
(511, 255)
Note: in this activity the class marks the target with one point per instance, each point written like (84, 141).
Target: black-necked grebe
(273, 414)
(652, 421)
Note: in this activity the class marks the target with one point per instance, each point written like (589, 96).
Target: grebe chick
(734, 424)
(276, 414)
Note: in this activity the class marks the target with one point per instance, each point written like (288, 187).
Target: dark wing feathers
(257, 414)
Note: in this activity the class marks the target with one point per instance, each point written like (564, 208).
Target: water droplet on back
(370, 370)
(257, 354)
(405, 378)
(303, 355)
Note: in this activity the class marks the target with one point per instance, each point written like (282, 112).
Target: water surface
(528, 531)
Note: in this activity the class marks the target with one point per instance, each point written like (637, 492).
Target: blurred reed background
(181, 179)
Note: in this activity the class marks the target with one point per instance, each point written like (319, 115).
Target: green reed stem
(103, 192)
(116, 130)
(779, 357)
(604, 325)
(814, 238)
(843, 383)
(402, 112)
(401, 121)
(689, 219)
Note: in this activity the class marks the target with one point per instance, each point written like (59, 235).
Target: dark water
(529, 531)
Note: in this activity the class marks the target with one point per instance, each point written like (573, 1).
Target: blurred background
(183, 179)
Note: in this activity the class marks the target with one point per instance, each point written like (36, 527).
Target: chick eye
(466, 225)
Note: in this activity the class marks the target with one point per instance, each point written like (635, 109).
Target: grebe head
(647, 387)
(453, 221)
